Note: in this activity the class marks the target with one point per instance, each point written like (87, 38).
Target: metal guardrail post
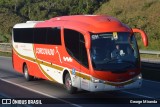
(150, 52)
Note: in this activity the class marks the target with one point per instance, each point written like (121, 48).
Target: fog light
(95, 80)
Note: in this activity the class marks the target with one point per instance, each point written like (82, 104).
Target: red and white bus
(90, 52)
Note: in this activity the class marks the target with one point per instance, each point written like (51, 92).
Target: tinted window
(83, 54)
(37, 35)
(75, 46)
(23, 35)
(53, 36)
(40, 35)
(114, 51)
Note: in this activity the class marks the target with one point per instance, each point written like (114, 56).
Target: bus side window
(53, 36)
(49, 36)
(40, 35)
(75, 46)
(23, 35)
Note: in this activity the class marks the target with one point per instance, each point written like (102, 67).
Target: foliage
(17, 11)
(142, 14)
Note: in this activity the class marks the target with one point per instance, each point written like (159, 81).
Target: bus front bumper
(99, 85)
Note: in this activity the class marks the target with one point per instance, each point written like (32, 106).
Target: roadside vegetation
(7, 54)
(18, 11)
(142, 14)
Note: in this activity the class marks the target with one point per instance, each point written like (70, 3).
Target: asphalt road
(13, 85)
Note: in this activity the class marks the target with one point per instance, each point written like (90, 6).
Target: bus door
(75, 47)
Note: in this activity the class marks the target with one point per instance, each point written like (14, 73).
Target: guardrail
(150, 52)
(6, 47)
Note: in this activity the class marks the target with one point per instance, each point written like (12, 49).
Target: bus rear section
(94, 53)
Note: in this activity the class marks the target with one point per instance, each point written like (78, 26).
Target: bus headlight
(139, 77)
(95, 80)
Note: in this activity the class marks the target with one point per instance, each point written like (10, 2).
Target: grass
(5, 54)
(147, 56)
(152, 45)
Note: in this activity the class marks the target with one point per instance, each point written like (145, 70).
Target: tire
(68, 85)
(26, 74)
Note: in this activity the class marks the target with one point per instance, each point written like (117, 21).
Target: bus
(88, 52)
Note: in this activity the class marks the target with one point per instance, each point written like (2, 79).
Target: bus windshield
(114, 51)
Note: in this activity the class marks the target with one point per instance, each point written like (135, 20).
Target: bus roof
(91, 23)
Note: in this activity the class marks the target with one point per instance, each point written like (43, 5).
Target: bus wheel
(68, 84)
(26, 74)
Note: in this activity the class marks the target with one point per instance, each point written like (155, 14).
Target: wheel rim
(25, 72)
(68, 83)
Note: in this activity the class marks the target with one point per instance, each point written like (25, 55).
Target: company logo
(46, 51)
(67, 59)
(21, 101)
(6, 101)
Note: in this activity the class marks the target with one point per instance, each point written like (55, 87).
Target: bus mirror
(143, 35)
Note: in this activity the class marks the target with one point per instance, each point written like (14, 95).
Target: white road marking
(140, 95)
(40, 92)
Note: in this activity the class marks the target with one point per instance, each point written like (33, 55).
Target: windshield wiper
(107, 61)
(129, 62)
(122, 61)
